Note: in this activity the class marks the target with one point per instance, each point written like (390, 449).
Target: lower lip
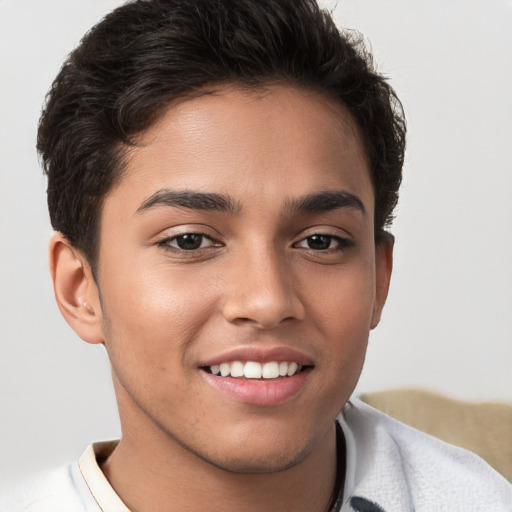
(259, 392)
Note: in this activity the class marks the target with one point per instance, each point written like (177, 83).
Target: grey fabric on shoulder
(395, 468)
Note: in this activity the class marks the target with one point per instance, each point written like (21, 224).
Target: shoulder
(396, 464)
(60, 490)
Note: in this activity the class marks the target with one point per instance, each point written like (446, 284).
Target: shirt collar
(100, 488)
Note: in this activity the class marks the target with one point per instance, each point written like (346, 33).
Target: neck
(152, 472)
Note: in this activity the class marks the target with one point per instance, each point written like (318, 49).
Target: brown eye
(322, 242)
(319, 242)
(188, 242)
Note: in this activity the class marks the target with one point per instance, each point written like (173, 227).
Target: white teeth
(237, 369)
(292, 368)
(270, 370)
(225, 369)
(255, 370)
(252, 370)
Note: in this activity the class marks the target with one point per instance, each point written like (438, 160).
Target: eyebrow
(325, 201)
(312, 203)
(190, 199)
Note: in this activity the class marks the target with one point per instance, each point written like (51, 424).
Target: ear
(76, 292)
(383, 268)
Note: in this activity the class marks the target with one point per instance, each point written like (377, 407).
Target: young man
(220, 177)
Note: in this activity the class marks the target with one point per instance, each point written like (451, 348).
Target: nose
(262, 291)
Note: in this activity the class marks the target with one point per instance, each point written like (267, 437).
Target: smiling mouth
(255, 370)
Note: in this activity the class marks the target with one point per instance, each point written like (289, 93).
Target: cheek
(341, 312)
(153, 312)
(342, 301)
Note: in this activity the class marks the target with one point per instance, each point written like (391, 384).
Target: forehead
(277, 141)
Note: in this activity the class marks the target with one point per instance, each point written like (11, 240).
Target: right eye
(188, 242)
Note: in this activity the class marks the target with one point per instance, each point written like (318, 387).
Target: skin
(258, 280)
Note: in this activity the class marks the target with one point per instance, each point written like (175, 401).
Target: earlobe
(75, 290)
(384, 267)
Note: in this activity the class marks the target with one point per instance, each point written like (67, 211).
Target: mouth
(260, 377)
(255, 370)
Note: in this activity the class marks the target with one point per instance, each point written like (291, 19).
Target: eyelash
(167, 242)
(342, 243)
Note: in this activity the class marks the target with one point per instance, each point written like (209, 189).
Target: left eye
(188, 241)
(321, 242)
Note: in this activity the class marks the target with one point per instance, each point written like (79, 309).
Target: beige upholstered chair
(483, 428)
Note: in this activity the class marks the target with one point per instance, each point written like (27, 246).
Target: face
(238, 276)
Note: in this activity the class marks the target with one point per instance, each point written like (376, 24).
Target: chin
(259, 462)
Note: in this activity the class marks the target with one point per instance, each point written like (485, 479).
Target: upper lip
(261, 355)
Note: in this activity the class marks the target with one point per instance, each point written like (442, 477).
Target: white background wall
(448, 322)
